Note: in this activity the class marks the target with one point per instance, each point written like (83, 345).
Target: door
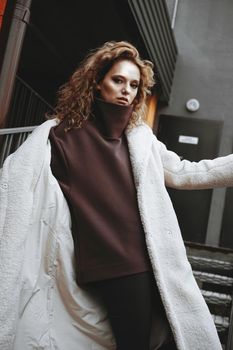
(226, 237)
(191, 139)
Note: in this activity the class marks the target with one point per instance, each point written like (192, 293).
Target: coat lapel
(139, 143)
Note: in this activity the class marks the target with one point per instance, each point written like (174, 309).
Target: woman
(92, 165)
(130, 259)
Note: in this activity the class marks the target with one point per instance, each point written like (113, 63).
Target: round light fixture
(192, 105)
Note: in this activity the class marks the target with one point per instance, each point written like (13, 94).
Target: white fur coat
(41, 306)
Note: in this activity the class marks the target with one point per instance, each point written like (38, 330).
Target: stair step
(213, 278)
(211, 265)
(218, 303)
(221, 323)
(216, 298)
(222, 326)
(213, 270)
(210, 252)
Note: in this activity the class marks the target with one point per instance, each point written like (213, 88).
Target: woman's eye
(134, 86)
(117, 80)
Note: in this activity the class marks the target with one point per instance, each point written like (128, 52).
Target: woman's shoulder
(141, 128)
(39, 137)
(48, 124)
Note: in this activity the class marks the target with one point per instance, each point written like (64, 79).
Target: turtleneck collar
(113, 118)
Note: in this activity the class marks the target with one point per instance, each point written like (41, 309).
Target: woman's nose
(125, 90)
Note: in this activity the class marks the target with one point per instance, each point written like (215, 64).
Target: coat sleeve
(184, 174)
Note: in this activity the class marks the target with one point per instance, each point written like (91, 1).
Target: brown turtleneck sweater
(93, 169)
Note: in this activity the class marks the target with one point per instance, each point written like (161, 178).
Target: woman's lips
(122, 100)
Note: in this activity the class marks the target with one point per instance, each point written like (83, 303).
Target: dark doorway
(226, 238)
(191, 139)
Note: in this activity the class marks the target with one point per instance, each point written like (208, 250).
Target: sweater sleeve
(184, 174)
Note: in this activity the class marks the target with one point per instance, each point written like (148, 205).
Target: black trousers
(134, 304)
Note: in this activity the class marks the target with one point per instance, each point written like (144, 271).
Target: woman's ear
(97, 90)
(98, 87)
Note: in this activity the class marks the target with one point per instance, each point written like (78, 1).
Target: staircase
(213, 270)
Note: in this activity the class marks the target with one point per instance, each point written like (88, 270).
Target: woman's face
(120, 84)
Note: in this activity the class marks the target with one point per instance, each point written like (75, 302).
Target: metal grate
(154, 25)
(27, 106)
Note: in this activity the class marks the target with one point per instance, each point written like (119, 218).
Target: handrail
(18, 130)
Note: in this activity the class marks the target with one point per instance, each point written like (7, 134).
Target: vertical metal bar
(30, 111)
(25, 136)
(9, 145)
(12, 54)
(19, 140)
(6, 146)
(3, 150)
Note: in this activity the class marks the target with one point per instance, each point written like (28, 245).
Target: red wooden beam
(2, 10)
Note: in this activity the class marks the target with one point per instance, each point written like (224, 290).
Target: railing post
(12, 54)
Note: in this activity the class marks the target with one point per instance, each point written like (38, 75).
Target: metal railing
(11, 139)
(27, 106)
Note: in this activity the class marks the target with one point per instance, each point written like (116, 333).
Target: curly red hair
(75, 98)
